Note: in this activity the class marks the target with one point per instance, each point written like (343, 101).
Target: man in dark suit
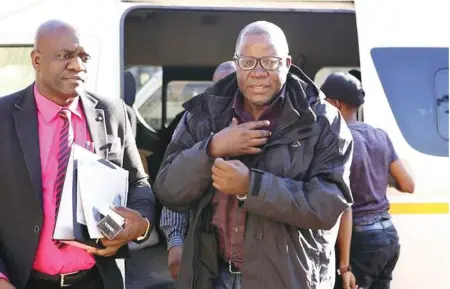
(38, 126)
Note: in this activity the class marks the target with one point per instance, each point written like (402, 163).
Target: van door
(404, 56)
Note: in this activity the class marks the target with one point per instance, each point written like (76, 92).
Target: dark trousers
(373, 256)
(93, 282)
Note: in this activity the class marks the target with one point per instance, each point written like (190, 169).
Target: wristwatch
(344, 270)
(143, 237)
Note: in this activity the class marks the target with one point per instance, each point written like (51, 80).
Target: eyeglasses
(250, 62)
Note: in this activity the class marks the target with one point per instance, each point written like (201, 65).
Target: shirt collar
(50, 110)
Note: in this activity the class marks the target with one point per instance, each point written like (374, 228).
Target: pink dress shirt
(49, 259)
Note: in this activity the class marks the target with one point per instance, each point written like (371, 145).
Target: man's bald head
(223, 70)
(268, 29)
(51, 29)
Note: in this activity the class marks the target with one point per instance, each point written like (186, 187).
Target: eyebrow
(72, 51)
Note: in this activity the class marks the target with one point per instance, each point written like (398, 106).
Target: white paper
(98, 187)
(99, 182)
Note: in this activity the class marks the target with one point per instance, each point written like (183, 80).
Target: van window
(16, 71)
(180, 91)
(149, 102)
(415, 81)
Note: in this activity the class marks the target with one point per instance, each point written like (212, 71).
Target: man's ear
(334, 102)
(36, 59)
(288, 61)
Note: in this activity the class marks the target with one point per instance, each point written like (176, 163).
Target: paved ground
(147, 269)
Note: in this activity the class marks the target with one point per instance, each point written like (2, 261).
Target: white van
(170, 49)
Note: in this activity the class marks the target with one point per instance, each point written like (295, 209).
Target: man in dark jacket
(262, 161)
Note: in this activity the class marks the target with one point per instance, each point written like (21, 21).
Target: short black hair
(356, 73)
(344, 87)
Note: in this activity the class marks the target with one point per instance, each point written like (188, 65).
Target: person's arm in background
(343, 243)
(174, 226)
(403, 180)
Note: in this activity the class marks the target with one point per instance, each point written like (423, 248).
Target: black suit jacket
(21, 213)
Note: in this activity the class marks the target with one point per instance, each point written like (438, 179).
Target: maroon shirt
(228, 216)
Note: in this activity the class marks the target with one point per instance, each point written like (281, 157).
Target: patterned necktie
(65, 143)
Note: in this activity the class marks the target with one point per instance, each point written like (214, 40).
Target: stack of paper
(92, 186)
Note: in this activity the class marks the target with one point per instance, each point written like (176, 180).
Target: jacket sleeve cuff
(256, 178)
(254, 189)
(175, 241)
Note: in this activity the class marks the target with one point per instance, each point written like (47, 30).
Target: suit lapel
(25, 121)
(95, 118)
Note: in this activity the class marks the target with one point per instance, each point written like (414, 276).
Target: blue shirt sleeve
(174, 227)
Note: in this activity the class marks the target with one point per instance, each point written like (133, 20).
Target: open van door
(404, 57)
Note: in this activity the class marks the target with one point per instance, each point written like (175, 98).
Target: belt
(230, 267)
(67, 279)
(380, 225)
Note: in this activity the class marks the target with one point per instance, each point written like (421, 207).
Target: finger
(173, 268)
(219, 182)
(173, 273)
(256, 124)
(113, 243)
(177, 269)
(106, 252)
(252, 151)
(91, 250)
(235, 162)
(257, 142)
(217, 171)
(217, 186)
(258, 134)
(124, 211)
(221, 164)
(109, 252)
(215, 179)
